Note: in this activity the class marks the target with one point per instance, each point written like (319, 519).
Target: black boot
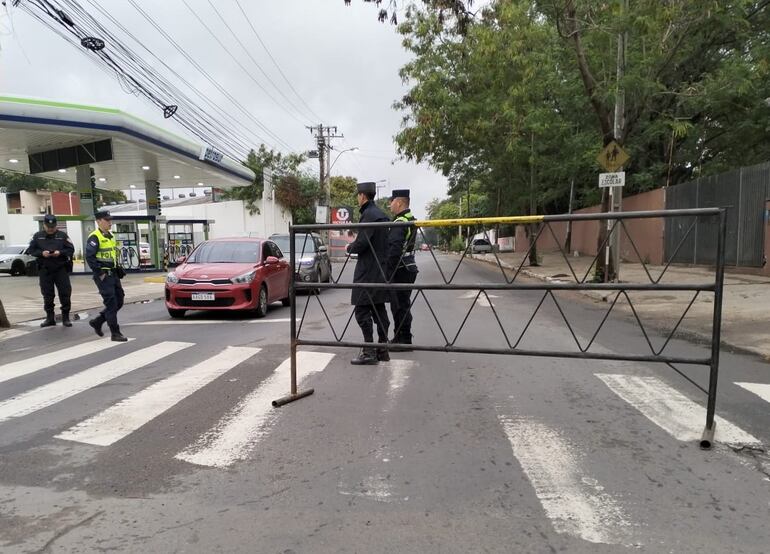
(49, 321)
(405, 341)
(65, 319)
(368, 356)
(382, 353)
(116, 335)
(97, 323)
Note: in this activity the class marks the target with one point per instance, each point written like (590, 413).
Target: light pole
(379, 186)
(327, 185)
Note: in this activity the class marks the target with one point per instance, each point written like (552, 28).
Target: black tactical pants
(60, 279)
(400, 301)
(368, 315)
(112, 296)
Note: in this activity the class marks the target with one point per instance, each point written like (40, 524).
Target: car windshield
(12, 250)
(481, 242)
(302, 244)
(226, 252)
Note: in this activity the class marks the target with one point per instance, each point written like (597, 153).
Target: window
(236, 252)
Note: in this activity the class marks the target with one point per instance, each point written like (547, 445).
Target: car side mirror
(323, 249)
(271, 260)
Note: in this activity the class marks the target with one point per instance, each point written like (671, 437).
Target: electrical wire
(278, 67)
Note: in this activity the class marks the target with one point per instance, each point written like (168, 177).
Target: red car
(229, 274)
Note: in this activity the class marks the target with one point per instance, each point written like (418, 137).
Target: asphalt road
(168, 443)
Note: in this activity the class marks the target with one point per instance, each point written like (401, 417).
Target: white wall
(17, 228)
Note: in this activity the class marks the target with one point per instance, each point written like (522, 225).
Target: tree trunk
(4, 323)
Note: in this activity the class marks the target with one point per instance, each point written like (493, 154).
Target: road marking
(47, 395)
(31, 365)
(129, 415)
(760, 389)
(670, 410)
(482, 301)
(241, 428)
(399, 374)
(207, 322)
(12, 333)
(574, 502)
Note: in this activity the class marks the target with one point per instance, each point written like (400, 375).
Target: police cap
(102, 214)
(49, 220)
(400, 193)
(367, 188)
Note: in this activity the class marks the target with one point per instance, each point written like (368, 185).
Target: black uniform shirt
(58, 240)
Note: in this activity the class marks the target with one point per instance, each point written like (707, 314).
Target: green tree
(299, 194)
(280, 165)
(520, 97)
(343, 191)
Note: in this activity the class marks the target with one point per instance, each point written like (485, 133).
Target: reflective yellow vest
(108, 248)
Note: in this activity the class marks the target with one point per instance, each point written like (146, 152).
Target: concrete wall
(31, 203)
(648, 234)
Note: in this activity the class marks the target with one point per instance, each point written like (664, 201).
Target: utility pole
(612, 272)
(323, 136)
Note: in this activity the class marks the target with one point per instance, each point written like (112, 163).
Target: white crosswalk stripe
(129, 415)
(237, 432)
(572, 499)
(670, 410)
(762, 390)
(52, 393)
(31, 365)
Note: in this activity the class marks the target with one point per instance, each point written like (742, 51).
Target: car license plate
(203, 296)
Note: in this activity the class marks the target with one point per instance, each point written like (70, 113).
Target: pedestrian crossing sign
(612, 157)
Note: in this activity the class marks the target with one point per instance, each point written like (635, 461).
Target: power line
(219, 87)
(256, 34)
(243, 47)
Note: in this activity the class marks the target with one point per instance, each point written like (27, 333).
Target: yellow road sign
(612, 157)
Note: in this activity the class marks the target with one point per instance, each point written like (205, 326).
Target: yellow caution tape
(521, 219)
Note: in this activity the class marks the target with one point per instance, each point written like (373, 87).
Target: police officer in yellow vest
(401, 267)
(102, 258)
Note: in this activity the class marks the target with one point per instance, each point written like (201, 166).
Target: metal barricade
(511, 347)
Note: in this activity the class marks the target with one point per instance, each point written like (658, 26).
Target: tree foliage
(279, 164)
(299, 194)
(519, 100)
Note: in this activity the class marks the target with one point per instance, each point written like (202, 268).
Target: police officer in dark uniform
(53, 250)
(370, 245)
(402, 267)
(102, 258)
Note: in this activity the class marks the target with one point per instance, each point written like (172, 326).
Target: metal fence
(743, 193)
(511, 345)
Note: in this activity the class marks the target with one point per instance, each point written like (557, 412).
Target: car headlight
(306, 262)
(172, 278)
(245, 278)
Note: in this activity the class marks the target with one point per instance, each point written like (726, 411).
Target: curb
(697, 337)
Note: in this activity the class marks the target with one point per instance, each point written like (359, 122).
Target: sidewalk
(23, 302)
(745, 307)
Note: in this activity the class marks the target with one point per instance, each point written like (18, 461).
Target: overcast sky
(341, 60)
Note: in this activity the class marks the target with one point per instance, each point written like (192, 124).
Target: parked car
(312, 263)
(145, 257)
(481, 246)
(424, 247)
(15, 260)
(229, 274)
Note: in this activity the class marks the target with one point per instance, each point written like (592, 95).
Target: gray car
(481, 246)
(14, 260)
(312, 263)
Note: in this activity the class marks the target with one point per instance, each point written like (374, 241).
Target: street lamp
(381, 186)
(327, 184)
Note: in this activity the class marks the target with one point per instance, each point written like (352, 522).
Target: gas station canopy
(50, 139)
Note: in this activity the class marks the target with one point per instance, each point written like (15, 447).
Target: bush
(457, 245)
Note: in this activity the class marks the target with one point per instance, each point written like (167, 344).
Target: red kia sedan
(229, 274)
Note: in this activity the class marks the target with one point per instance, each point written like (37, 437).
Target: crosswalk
(556, 466)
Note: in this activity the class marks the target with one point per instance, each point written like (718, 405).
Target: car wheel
(18, 268)
(317, 280)
(176, 314)
(329, 274)
(262, 302)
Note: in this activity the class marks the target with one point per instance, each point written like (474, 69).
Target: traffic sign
(612, 157)
(612, 179)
